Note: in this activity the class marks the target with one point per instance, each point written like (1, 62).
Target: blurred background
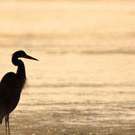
(84, 81)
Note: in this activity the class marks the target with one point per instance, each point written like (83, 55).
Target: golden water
(84, 81)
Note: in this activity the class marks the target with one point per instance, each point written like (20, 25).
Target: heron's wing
(7, 83)
(7, 86)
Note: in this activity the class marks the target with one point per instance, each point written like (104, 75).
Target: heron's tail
(1, 118)
(0, 121)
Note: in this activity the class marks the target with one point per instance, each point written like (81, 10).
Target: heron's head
(22, 54)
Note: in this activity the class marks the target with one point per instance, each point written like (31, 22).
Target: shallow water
(84, 83)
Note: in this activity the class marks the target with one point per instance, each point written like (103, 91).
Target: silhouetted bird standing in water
(11, 86)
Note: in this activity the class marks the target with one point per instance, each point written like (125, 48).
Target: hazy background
(84, 83)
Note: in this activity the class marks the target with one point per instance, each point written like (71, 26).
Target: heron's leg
(7, 125)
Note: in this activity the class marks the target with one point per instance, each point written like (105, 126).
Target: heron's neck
(21, 67)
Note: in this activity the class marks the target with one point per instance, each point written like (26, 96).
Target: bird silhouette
(11, 86)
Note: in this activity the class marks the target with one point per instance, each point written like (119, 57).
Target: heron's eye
(23, 53)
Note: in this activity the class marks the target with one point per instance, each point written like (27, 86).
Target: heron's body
(8, 102)
(11, 86)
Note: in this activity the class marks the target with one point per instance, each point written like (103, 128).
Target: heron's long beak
(29, 57)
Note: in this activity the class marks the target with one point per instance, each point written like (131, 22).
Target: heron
(11, 87)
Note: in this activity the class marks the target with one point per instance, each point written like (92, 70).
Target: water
(84, 83)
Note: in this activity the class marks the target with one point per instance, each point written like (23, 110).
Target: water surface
(84, 83)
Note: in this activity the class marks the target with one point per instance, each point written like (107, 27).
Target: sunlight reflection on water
(84, 81)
